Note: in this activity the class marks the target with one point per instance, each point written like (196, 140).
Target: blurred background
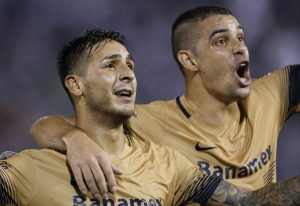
(33, 31)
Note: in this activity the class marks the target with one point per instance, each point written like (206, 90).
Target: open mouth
(124, 93)
(243, 73)
(242, 69)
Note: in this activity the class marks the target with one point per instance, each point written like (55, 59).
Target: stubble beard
(240, 95)
(102, 108)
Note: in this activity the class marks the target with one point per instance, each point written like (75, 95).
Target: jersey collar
(183, 106)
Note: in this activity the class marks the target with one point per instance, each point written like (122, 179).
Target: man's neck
(107, 134)
(210, 109)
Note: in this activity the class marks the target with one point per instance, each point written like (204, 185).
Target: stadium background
(32, 32)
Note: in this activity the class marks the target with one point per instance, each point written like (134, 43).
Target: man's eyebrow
(223, 30)
(113, 56)
(130, 57)
(217, 31)
(117, 56)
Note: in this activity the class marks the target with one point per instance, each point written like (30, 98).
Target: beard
(100, 104)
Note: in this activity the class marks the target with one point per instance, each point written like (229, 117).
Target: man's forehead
(217, 21)
(109, 47)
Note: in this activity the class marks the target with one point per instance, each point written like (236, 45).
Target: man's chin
(243, 93)
(127, 113)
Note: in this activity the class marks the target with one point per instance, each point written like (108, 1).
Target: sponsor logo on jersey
(231, 172)
(82, 201)
(199, 148)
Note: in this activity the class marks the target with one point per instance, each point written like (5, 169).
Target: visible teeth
(242, 69)
(123, 93)
(243, 64)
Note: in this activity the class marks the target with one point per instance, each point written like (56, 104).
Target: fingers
(89, 177)
(92, 168)
(79, 180)
(100, 180)
(107, 170)
(89, 180)
(116, 170)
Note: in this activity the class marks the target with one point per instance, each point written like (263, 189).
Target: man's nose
(240, 48)
(127, 74)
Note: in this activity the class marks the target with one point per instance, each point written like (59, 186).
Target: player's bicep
(294, 88)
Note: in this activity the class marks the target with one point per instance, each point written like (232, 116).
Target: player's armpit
(281, 193)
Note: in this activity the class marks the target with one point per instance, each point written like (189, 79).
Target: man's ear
(73, 83)
(187, 60)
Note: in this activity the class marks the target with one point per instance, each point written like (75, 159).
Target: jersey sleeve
(17, 180)
(281, 91)
(294, 89)
(148, 121)
(193, 186)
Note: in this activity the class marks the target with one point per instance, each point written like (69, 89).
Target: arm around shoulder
(49, 131)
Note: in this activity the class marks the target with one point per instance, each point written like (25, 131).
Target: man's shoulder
(270, 84)
(157, 103)
(273, 75)
(22, 155)
(157, 106)
(150, 120)
(18, 164)
(5, 155)
(30, 156)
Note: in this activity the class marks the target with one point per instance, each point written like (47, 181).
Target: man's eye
(110, 66)
(131, 66)
(221, 42)
(241, 38)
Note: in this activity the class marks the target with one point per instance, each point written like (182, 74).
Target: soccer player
(96, 70)
(97, 73)
(224, 123)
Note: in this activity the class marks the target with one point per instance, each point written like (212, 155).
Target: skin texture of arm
(281, 193)
(90, 165)
(50, 131)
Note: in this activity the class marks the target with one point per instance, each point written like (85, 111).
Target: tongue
(246, 79)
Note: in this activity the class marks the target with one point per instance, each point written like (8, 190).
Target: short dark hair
(79, 48)
(184, 37)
